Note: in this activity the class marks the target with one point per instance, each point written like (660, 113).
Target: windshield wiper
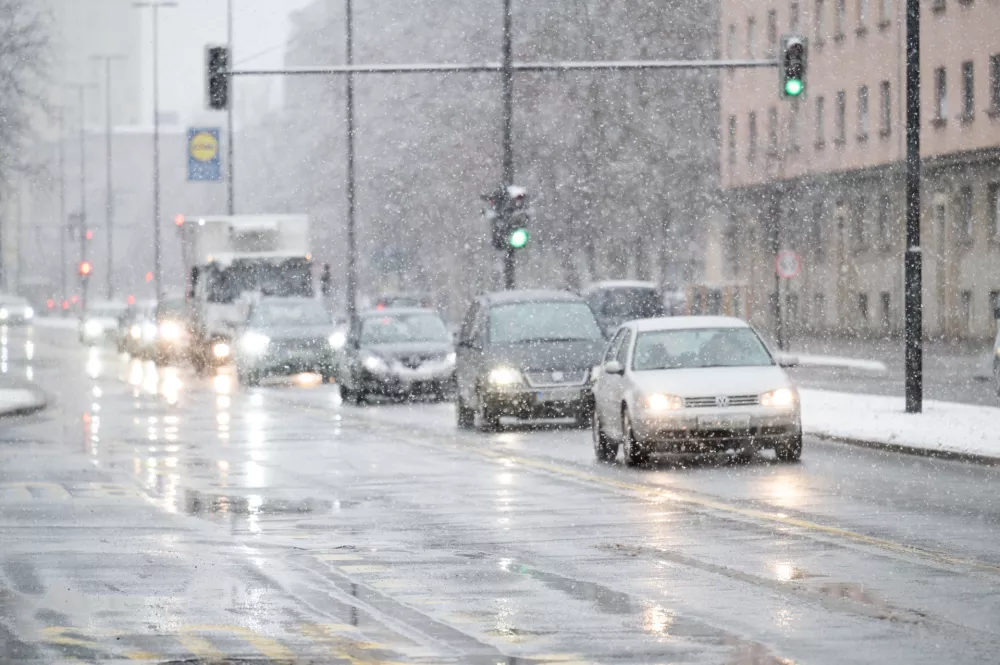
(551, 339)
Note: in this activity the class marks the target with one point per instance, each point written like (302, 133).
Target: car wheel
(790, 450)
(487, 418)
(635, 452)
(605, 450)
(466, 417)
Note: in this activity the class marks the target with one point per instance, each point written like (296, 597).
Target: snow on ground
(943, 426)
(811, 360)
(17, 400)
(71, 323)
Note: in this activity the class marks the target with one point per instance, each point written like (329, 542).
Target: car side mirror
(613, 367)
(786, 360)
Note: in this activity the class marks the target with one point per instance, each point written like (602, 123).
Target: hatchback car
(617, 301)
(15, 310)
(693, 384)
(404, 352)
(527, 354)
(99, 323)
(284, 336)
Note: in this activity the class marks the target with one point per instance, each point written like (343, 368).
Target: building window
(858, 225)
(863, 113)
(968, 91)
(793, 126)
(995, 84)
(884, 13)
(840, 120)
(885, 312)
(732, 139)
(820, 123)
(964, 213)
(883, 225)
(820, 25)
(885, 109)
(938, 5)
(993, 210)
(752, 137)
(772, 33)
(840, 20)
(751, 38)
(862, 17)
(940, 96)
(863, 309)
(793, 17)
(731, 43)
(815, 231)
(772, 131)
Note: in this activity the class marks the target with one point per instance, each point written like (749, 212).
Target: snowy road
(155, 515)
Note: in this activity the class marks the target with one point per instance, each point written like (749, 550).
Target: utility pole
(507, 76)
(155, 5)
(230, 168)
(912, 258)
(82, 90)
(109, 193)
(352, 240)
(63, 230)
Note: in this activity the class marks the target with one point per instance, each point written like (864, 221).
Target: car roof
(268, 300)
(397, 310)
(528, 296)
(687, 323)
(620, 284)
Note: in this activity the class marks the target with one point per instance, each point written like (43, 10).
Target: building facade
(823, 174)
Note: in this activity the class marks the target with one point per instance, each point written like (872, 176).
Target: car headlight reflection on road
(254, 343)
(4, 314)
(338, 339)
(91, 328)
(221, 350)
(505, 376)
(779, 397)
(28, 312)
(660, 402)
(374, 363)
(170, 331)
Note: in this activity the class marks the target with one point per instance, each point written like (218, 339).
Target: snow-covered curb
(20, 401)
(810, 360)
(944, 428)
(71, 323)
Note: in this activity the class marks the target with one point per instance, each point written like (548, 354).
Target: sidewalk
(18, 398)
(944, 429)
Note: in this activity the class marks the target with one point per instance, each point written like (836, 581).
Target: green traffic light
(793, 87)
(518, 238)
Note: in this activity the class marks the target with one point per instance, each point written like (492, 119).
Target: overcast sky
(260, 30)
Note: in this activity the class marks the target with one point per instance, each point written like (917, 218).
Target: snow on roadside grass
(811, 360)
(943, 426)
(17, 399)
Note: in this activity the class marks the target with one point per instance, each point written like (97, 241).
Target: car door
(604, 390)
(616, 387)
(465, 357)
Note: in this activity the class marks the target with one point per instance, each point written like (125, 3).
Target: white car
(100, 322)
(693, 384)
(15, 309)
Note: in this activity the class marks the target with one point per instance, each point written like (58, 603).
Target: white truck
(228, 259)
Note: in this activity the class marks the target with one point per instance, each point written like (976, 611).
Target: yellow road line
(270, 648)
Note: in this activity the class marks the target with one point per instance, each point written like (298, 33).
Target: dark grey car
(284, 336)
(527, 354)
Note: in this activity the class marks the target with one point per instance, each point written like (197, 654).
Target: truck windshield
(292, 278)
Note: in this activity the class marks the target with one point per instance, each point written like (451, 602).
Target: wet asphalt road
(153, 516)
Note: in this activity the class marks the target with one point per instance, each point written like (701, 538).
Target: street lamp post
(155, 5)
(82, 90)
(230, 168)
(109, 196)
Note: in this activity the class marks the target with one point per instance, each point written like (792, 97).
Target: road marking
(265, 645)
(338, 557)
(363, 569)
(22, 491)
(673, 496)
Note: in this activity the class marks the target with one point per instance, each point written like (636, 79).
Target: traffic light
(85, 269)
(90, 234)
(508, 213)
(149, 277)
(217, 61)
(179, 221)
(792, 66)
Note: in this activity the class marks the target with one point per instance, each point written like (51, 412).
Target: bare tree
(24, 40)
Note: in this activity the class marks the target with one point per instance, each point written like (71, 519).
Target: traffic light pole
(352, 233)
(83, 195)
(912, 257)
(230, 167)
(507, 76)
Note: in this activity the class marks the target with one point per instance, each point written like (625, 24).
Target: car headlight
(338, 339)
(661, 402)
(170, 331)
(148, 330)
(505, 376)
(780, 397)
(4, 314)
(28, 312)
(92, 328)
(374, 363)
(451, 358)
(254, 343)
(220, 350)
(135, 331)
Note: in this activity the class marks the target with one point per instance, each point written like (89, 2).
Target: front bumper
(290, 362)
(405, 382)
(529, 403)
(716, 429)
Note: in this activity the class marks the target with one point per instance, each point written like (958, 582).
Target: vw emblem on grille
(722, 401)
(557, 377)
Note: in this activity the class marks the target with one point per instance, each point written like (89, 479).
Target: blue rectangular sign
(204, 161)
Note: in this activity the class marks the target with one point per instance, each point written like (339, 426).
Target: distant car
(173, 332)
(527, 354)
(618, 301)
(15, 310)
(403, 352)
(137, 330)
(284, 336)
(99, 323)
(693, 384)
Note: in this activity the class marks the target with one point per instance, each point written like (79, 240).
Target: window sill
(939, 122)
(884, 24)
(839, 37)
(820, 144)
(863, 138)
(885, 133)
(861, 30)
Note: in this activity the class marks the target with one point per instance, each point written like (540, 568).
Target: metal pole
(157, 275)
(62, 206)
(912, 258)
(230, 187)
(352, 242)
(507, 75)
(83, 195)
(109, 211)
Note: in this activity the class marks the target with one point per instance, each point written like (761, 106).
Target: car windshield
(292, 278)
(171, 309)
(300, 313)
(554, 321)
(706, 347)
(400, 328)
(631, 303)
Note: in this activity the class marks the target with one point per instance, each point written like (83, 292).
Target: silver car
(693, 384)
(996, 359)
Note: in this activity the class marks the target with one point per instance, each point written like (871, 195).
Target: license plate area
(724, 422)
(556, 396)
